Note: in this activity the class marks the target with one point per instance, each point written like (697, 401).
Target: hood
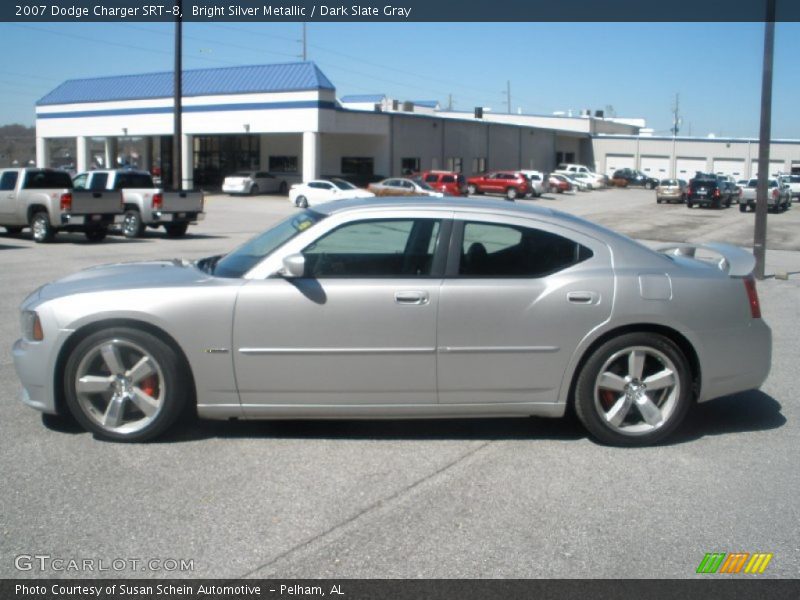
(120, 276)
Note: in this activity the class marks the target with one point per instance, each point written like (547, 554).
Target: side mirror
(294, 265)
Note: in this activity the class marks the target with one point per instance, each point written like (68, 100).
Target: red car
(511, 184)
(559, 185)
(449, 182)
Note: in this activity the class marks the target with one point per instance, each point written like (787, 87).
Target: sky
(636, 68)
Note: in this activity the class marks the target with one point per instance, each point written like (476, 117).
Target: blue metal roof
(426, 103)
(286, 77)
(355, 98)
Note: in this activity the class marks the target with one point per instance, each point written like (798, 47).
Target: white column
(42, 152)
(187, 162)
(312, 155)
(81, 154)
(111, 153)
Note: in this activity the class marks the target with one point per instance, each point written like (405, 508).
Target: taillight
(752, 297)
(122, 200)
(716, 193)
(775, 194)
(158, 201)
(66, 202)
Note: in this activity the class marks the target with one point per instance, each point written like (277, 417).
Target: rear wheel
(132, 224)
(472, 190)
(689, 204)
(511, 193)
(41, 229)
(254, 190)
(283, 189)
(124, 384)
(634, 390)
(95, 235)
(743, 208)
(176, 229)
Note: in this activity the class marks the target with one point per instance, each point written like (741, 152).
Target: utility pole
(508, 95)
(676, 120)
(177, 129)
(765, 133)
(305, 53)
(449, 102)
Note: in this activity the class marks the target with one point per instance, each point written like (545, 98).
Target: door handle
(583, 297)
(411, 297)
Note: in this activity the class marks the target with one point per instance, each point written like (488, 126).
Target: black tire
(254, 190)
(41, 230)
(13, 230)
(689, 204)
(172, 374)
(302, 202)
(511, 194)
(675, 400)
(175, 230)
(95, 235)
(132, 224)
(743, 208)
(658, 200)
(283, 190)
(472, 190)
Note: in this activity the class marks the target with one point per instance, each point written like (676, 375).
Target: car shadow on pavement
(409, 429)
(737, 413)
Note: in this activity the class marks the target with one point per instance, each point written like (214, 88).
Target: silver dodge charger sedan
(401, 308)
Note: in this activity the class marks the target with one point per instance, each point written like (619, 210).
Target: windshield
(245, 257)
(422, 184)
(343, 185)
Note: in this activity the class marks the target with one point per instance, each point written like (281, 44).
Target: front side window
(494, 250)
(375, 249)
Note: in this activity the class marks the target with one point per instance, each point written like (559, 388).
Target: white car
(538, 181)
(594, 181)
(254, 182)
(320, 191)
(570, 170)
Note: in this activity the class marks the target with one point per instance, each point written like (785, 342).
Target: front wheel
(472, 190)
(254, 190)
(41, 229)
(511, 194)
(634, 390)
(743, 208)
(302, 202)
(176, 229)
(689, 204)
(124, 384)
(283, 189)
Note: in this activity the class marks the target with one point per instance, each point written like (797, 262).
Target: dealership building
(287, 119)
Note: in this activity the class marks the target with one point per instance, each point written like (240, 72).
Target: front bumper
(32, 362)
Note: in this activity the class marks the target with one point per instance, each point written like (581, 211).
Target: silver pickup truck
(44, 200)
(779, 196)
(145, 204)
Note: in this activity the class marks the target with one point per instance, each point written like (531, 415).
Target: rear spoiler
(733, 260)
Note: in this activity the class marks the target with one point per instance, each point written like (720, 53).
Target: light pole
(760, 229)
(177, 129)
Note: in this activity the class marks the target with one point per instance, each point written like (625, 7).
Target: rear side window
(493, 250)
(431, 178)
(133, 180)
(448, 179)
(98, 182)
(8, 181)
(43, 179)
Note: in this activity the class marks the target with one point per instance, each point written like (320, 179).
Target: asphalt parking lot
(449, 498)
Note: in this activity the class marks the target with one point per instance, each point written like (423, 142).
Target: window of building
(479, 164)
(283, 164)
(375, 248)
(409, 165)
(455, 163)
(492, 250)
(217, 156)
(358, 165)
(565, 157)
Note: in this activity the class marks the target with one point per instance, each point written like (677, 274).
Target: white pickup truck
(145, 204)
(45, 201)
(779, 197)
(793, 181)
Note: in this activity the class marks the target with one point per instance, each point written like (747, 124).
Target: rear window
(44, 179)
(133, 180)
(668, 182)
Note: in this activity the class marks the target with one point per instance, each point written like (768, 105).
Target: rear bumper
(70, 221)
(160, 217)
(725, 369)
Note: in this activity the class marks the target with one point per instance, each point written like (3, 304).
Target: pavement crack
(367, 510)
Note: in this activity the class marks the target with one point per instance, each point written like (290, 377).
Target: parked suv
(709, 191)
(671, 190)
(538, 181)
(512, 184)
(634, 177)
(449, 182)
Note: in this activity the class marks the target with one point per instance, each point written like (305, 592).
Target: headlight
(31, 326)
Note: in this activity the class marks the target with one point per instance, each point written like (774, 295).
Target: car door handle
(411, 297)
(583, 297)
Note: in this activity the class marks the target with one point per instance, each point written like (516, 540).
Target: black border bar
(445, 11)
(712, 587)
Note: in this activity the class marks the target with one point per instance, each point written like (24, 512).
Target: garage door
(656, 166)
(775, 166)
(730, 166)
(687, 167)
(618, 161)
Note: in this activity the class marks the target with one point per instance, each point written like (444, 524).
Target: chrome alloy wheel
(120, 386)
(637, 390)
